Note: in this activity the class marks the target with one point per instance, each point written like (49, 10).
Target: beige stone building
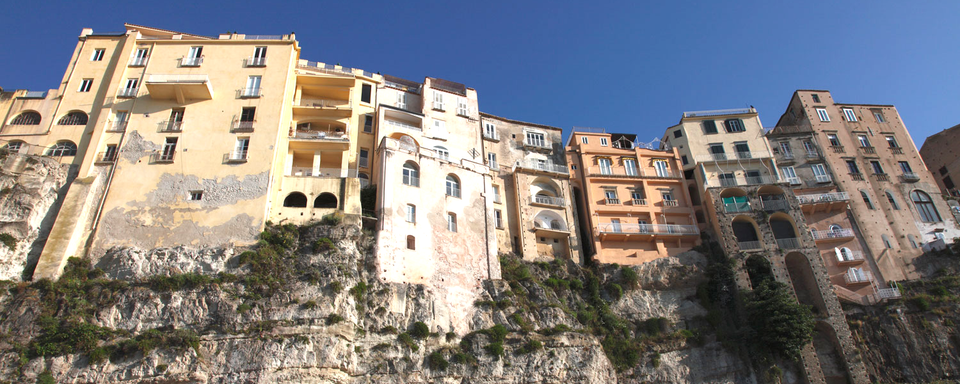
(633, 204)
(533, 211)
(894, 200)
(942, 157)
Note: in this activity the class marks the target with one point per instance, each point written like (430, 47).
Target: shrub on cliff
(781, 325)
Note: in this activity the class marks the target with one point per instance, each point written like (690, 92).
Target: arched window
(26, 118)
(411, 242)
(893, 202)
(886, 241)
(866, 199)
(442, 152)
(14, 146)
(364, 179)
(62, 148)
(73, 118)
(555, 224)
(835, 228)
(928, 212)
(453, 186)
(411, 174)
(325, 200)
(295, 200)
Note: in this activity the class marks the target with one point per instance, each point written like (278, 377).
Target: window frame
(451, 222)
(366, 93)
(452, 186)
(823, 115)
(410, 213)
(85, 85)
(849, 114)
(98, 54)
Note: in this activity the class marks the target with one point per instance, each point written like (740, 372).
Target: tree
(782, 326)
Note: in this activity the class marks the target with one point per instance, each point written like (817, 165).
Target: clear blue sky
(631, 66)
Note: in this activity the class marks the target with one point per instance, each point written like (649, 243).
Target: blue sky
(631, 66)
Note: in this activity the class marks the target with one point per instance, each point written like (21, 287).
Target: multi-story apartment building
(826, 213)
(894, 200)
(533, 211)
(632, 201)
(434, 203)
(751, 210)
(942, 157)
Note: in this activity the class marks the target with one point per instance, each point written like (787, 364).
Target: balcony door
(605, 166)
(630, 165)
(663, 170)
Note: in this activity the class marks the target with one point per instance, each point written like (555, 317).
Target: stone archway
(830, 355)
(804, 282)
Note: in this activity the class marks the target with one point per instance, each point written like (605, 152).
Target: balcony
(887, 293)
(738, 156)
(320, 136)
(322, 107)
(780, 204)
(896, 150)
(139, 61)
(555, 226)
(399, 125)
(837, 148)
(255, 62)
(855, 276)
(750, 245)
(539, 145)
(623, 172)
(670, 203)
(785, 157)
(811, 155)
(116, 126)
(867, 150)
(849, 257)
(168, 126)
(163, 157)
(242, 126)
(639, 202)
(793, 180)
(789, 243)
(629, 231)
(610, 201)
(334, 173)
(128, 92)
(493, 136)
(545, 167)
(823, 201)
(547, 200)
(881, 176)
(857, 176)
(832, 235)
(107, 157)
(179, 87)
(823, 179)
(191, 61)
(235, 157)
(249, 93)
(909, 177)
(736, 207)
(740, 181)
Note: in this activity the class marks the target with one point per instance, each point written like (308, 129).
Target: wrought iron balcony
(116, 126)
(256, 61)
(833, 234)
(656, 229)
(789, 243)
(780, 204)
(191, 61)
(547, 200)
(242, 126)
(856, 276)
(909, 177)
(823, 197)
(235, 157)
(750, 245)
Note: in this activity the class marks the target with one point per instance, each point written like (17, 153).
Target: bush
(495, 349)
(922, 302)
(557, 329)
(331, 219)
(335, 286)
(334, 318)
(323, 245)
(576, 284)
(244, 307)
(358, 290)
(654, 326)
(46, 378)
(437, 362)
(497, 332)
(615, 291)
(420, 330)
(179, 282)
(531, 346)
(629, 277)
(623, 353)
(781, 325)
(67, 337)
(407, 340)
(463, 358)
(389, 329)
(8, 240)
(310, 304)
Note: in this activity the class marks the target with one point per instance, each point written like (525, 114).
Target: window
(822, 113)
(790, 174)
(366, 93)
(808, 146)
(864, 142)
(367, 124)
(611, 195)
(943, 170)
(169, 149)
(120, 121)
(785, 148)
(411, 213)
(451, 222)
(630, 165)
(14, 146)
(866, 199)
(194, 57)
(886, 241)
(663, 169)
(734, 125)
(717, 151)
(605, 164)
(905, 167)
(139, 58)
(442, 153)
(913, 241)
(615, 225)
(364, 158)
(462, 108)
(438, 101)
(928, 212)
(852, 166)
(62, 148)
(73, 118)
(684, 160)
(195, 195)
(97, 54)
(948, 182)
(667, 196)
(253, 87)
(411, 243)
(401, 100)
(816, 97)
(820, 172)
(742, 149)
(175, 123)
(603, 141)
(240, 149)
(490, 131)
(85, 85)
(892, 142)
(492, 160)
(453, 186)
(535, 139)
(893, 202)
(411, 174)
(876, 167)
(878, 116)
(636, 195)
(259, 58)
(849, 115)
(247, 116)
(678, 134)
(709, 127)
(584, 140)
(439, 128)
(498, 218)
(130, 89)
(834, 140)
(110, 153)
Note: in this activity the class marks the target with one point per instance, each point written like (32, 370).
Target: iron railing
(823, 197)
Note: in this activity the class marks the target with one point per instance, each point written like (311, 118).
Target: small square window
(97, 55)
(822, 114)
(677, 134)
(684, 160)
(603, 141)
(816, 98)
(366, 90)
(367, 124)
(709, 127)
(879, 116)
(584, 140)
(85, 85)
(849, 115)
(196, 195)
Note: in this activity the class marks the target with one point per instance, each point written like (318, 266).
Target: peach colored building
(633, 202)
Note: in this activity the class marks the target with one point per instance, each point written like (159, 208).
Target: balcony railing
(909, 177)
(612, 201)
(750, 245)
(789, 243)
(323, 103)
(631, 172)
(671, 203)
(536, 144)
(740, 181)
(128, 92)
(837, 148)
(491, 135)
(856, 176)
(639, 202)
(793, 180)
(171, 126)
(888, 293)
(657, 229)
(248, 93)
(853, 276)
(823, 179)
(106, 157)
(402, 125)
(164, 156)
(736, 207)
(547, 167)
(138, 61)
(849, 257)
(116, 126)
(191, 61)
(323, 172)
(256, 61)
(719, 112)
(235, 157)
(881, 176)
(242, 126)
(554, 226)
(547, 200)
(788, 156)
(775, 205)
(867, 150)
(833, 234)
(732, 157)
(322, 135)
(823, 197)
(896, 150)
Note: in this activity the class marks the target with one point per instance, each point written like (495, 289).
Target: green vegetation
(178, 282)
(407, 340)
(165, 338)
(323, 245)
(310, 304)
(332, 219)
(334, 318)
(530, 346)
(420, 330)
(46, 378)
(358, 291)
(8, 240)
(782, 326)
(629, 277)
(436, 361)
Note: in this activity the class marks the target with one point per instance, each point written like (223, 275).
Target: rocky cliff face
(301, 309)
(29, 188)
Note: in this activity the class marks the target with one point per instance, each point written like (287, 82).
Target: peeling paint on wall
(172, 189)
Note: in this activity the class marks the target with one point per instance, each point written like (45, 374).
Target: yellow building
(632, 201)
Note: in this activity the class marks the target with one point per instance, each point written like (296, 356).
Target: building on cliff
(941, 155)
(894, 201)
(634, 206)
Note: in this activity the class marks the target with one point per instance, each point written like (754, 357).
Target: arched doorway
(804, 282)
(295, 200)
(829, 354)
(325, 200)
